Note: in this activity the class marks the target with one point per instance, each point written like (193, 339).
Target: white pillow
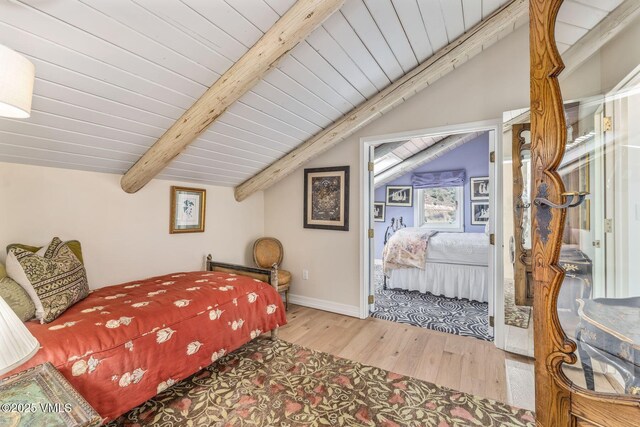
(16, 272)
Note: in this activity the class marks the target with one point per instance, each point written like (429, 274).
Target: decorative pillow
(74, 245)
(3, 271)
(17, 299)
(53, 277)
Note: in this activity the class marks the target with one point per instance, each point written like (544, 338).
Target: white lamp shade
(17, 75)
(17, 345)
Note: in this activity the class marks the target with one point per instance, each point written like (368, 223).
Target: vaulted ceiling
(113, 75)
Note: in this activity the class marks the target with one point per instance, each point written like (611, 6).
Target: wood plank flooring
(462, 363)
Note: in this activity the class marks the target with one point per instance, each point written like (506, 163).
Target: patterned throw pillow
(17, 298)
(53, 277)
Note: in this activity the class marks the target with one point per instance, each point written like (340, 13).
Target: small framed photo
(326, 198)
(479, 213)
(378, 211)
(480, 188)
(188, 207)
(400, 195)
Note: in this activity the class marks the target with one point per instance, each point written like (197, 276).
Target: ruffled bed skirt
(451, 280)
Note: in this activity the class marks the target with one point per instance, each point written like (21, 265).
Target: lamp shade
(17, 75)
(17, 345)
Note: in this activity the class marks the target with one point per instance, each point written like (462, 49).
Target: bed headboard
(396, 224)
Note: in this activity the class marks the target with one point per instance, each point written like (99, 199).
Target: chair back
(267, 251)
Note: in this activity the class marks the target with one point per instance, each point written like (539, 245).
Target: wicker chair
(267, 252)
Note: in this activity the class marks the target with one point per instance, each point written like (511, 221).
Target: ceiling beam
(428, 154)
(435, 67)
(386, 148)
(293, 27)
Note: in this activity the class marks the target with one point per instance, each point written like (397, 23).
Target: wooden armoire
(559, 402)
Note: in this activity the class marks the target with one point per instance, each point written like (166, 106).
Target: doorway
(392, 207)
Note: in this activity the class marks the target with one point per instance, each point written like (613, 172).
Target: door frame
(496, 291)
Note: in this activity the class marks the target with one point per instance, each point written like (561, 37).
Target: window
(440, 208)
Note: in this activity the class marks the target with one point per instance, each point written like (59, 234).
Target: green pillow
(3, 271)
(74, 245)
(17, 298)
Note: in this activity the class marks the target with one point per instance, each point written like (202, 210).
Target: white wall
(495, 81)
(124, 236)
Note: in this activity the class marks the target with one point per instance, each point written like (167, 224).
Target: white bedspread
(456, 267)
(451, 280)
(459, 248)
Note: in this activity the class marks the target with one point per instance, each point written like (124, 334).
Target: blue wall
(473, 157)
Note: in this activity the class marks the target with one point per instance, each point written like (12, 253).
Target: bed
(124, 344)
(451, 264)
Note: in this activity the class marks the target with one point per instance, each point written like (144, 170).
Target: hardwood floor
(462, 363)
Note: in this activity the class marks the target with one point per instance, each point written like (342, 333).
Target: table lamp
(17, 345)
(17, 76)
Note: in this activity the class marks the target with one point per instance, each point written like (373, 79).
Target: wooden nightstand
(41, 396)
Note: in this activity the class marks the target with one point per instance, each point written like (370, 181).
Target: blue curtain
(438, 179)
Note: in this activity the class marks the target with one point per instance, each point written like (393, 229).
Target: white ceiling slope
(113, 75)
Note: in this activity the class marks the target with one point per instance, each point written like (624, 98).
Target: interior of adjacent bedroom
(319, 213)
(431, 235)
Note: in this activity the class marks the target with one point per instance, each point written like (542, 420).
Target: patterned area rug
(268, 383)
(450, 315)
(514, 315)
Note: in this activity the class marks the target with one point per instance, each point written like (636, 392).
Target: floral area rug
(274, 383)
(451, 315)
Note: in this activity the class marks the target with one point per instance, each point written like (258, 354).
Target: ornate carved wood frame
(522, 256)
(559, 403)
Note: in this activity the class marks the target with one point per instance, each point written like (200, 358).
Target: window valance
(453, 178)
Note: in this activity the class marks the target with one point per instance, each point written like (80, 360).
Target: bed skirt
(451, 280)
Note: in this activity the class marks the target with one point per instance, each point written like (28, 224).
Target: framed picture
(399, 195)
(326, 198)
(378, 211)
(480, 188)
(187, 210)
(479, 213)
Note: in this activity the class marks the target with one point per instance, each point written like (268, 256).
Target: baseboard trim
(321, 304)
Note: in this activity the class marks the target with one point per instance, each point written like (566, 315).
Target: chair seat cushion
(284, 278)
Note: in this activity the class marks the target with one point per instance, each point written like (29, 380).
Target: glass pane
(525, 203)
(599, 302)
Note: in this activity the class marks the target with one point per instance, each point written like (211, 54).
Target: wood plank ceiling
(112, 76)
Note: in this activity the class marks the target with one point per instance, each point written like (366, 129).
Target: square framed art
(378, 211)
(326, 198)
(479, 213)
(188, 208)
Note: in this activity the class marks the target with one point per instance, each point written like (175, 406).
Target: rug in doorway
(274, 383)
(438, 313)
(514, 315)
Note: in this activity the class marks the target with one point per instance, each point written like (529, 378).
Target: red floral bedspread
(124, 344)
